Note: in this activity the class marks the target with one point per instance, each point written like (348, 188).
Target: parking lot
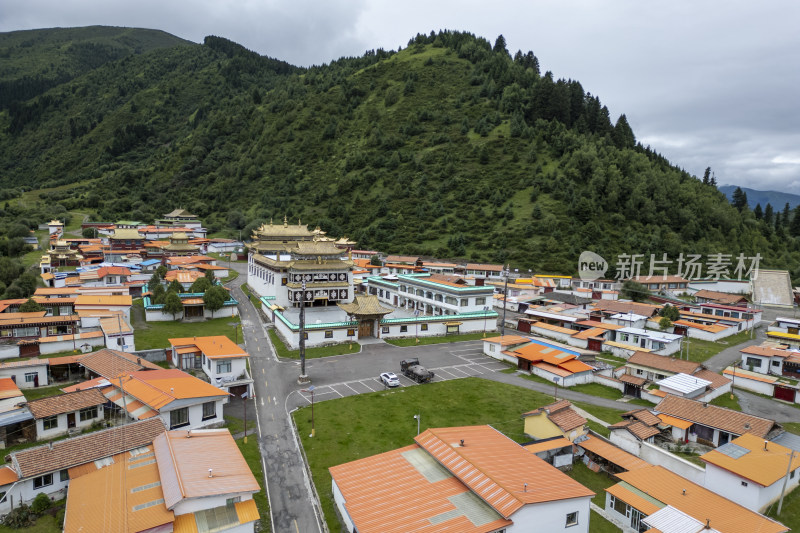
(467, 358)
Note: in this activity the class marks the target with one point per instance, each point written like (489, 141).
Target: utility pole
(505, 302)
(785, 481)
(303, 377)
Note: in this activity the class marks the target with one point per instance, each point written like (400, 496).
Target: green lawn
(367, 424)
(253, 298)
(253, 457)
(150, 335)
(598, 428)
(437, 340)
(599, 524)
(43, 392)
(725, 400)
(233, 275)
(236, 425)
(311, 353)
(792, 427)
(691, 457)
(596, 481)
(595, 389)
(700, 350)
(606, 414)
(790, 515)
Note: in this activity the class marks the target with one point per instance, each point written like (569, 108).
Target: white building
(465, 479)
(45, 469)
(26, 374)
(224, 362)
(750, 471)
(66, 413)
(431, 294)
(182, 401)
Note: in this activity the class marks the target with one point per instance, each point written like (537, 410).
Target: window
(776, 363)
(88, 413)
(223, 367)
(50, 422)
(403, 329)
(42, 481)
(572, 519)
(179, 418)
(744, 483)
(480, 301)
(753, 361)
(492, 347)
(30, 377)
(209, 410)
(329, 334)
(231, 501)
(791, 476)
(620, 507)
(64, 475)
(385, 329)
(423, 327)
(464, 302)
(639, 371)
(5, 333)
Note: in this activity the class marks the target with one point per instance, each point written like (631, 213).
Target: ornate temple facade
(284, 257)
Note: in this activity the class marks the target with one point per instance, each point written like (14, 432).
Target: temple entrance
(192, 311)
(365, 328)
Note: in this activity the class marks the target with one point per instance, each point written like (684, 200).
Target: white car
(390, 379)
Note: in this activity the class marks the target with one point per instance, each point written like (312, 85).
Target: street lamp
(311, 390)
(733, 379)
(418, 418)
(505, 302)
(303, 376)
(555, 394)
(485, 312)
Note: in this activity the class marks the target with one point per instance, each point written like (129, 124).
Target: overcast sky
(705, 83)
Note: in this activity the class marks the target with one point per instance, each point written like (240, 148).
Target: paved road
(728, 356)
(292, 504)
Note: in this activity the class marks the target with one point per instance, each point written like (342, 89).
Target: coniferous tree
(794, 227)
(707, 176)
(713, 181)
(758, 212)
(786, 215)
(769, 216)
(739, 199)
(623, 134)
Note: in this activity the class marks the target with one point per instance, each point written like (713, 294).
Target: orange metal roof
(7, 475)
(497, 468)
(157, 388)
(553, 369)
(711, 328)
(539, 352)
(766, 351)
(185, 458)
(746, 374)
(696, 501)
(247, 511)
(381, 489)
(8, 389)
(108, 498)
(601, 325)
(91, 299)
(611, 453)
(574, 366)
(215, 347)
(59, 338)
(49, 291)
(589, 333)
(547, 445)
(557, 329)
(506, 340)
(676, 422)
(765, 463)
(92, 383)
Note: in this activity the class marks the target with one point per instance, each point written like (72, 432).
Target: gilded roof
(316, 248)
(365, 305)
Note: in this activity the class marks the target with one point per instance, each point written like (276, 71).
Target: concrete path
(766, 407)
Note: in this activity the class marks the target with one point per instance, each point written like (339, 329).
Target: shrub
(19, 518)
(41, 503)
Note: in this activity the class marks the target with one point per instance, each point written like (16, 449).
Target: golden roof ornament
(285, 221)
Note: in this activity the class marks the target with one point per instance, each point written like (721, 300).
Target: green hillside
(451, 147)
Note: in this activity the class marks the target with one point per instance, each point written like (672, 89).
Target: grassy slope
(367, 424)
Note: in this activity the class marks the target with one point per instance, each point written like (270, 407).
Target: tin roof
(201, 463)
(215, 347)
(611, 453)
(158, 388)
(753, 458)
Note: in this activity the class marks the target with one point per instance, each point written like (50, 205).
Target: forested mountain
(451, 147)
(776, 199)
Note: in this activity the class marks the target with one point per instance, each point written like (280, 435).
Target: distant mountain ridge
(776, 198)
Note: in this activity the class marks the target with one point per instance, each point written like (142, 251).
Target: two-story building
(182, 401)
(432, 294)
(224, 362)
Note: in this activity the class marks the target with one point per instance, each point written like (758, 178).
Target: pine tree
(707, 176)
(759, 214)
(794, 227)
(786, 215)
(500, 45)
(769, 215)
(623, 134)
(713, 181)
(739, 199)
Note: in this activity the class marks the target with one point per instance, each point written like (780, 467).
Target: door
(724, 438)
(595, 344)
(70, 420)
(365, 328)
(784, 393)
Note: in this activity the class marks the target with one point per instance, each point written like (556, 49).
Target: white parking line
(349, 387)
(367, 386)
(445, 370)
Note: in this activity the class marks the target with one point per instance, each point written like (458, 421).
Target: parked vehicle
(390, 379)
(413, 370)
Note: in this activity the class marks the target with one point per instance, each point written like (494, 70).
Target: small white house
(66, 413)
(26, 374)
(224, 362)
(683, 385)
(751, 471)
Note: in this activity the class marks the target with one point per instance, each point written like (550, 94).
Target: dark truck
(413, 370)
